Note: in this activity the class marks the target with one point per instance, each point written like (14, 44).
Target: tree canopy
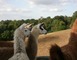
(57, 23)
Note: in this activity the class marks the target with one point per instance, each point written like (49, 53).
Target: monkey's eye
(25, 30)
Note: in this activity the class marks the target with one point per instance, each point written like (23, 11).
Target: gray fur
(32, 45)
(19, 43)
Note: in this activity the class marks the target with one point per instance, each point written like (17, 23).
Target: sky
(28, 9)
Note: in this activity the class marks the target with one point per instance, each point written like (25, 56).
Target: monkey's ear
(27, 23)
(42, 23)
(29, 26)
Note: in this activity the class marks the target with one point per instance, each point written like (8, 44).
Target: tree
(74, 16)
(58, 25)
(5, 35)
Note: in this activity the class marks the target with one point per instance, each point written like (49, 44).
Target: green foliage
(57, 23)
(74, 17)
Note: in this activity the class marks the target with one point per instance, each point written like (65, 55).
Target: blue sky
(27, 9)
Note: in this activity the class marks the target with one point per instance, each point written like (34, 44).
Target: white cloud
(6, 7)
(9, 11)
(14, 14)
(3, 3)
(14, 11)
(41, 2)
(52, 2)
(45, 2)
(54, 10)
(33, 8)
(49, 5)
(52, 5)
